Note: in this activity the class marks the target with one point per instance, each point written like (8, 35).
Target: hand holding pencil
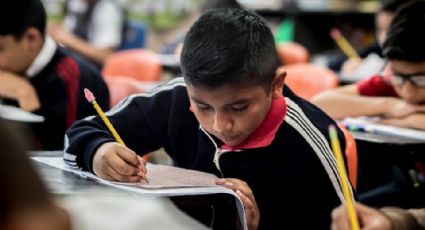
(115, 161)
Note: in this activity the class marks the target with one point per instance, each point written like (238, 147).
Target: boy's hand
(398, 108)
(20, 89)
(244, 192)
(113, 161)
(369, 218)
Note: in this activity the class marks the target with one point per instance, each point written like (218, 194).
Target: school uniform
(376, 86)
(287, 161)
(59, 80)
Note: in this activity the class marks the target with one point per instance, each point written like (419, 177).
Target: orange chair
(121, 87)
(292, 53)
(306, 80)
(141, 64)
(351, 155)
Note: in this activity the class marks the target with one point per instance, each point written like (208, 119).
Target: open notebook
(163, 181)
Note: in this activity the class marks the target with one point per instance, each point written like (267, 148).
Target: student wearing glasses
(399, 97)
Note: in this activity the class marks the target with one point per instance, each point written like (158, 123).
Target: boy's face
(232, 113)
(409, 80)
(17, 55)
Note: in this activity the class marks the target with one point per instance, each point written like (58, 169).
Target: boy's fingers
(128, 156)
(121, 166)
(121, 178)
(142, 165)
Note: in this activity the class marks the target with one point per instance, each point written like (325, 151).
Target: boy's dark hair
(405, 40)
(17, 16)
(392, 6)
(229, 46)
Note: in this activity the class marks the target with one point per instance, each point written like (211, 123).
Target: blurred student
(26, 205)
(398, 97)
(388, 218)
(24, 201)
(383, 20)
(231, 115)
(92, 28)
(40, 77)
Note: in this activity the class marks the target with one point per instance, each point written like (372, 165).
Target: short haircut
(229, 46)
(16, 16)
(405, 38)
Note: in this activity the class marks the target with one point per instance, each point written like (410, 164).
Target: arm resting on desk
(413, 121)
(346, 101)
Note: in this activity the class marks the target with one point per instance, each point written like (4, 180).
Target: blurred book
(370, 125)
(16, 114)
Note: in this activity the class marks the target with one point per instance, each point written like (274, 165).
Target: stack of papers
(369, 125)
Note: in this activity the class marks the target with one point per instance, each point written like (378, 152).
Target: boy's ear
(278, 82)
(33, 38)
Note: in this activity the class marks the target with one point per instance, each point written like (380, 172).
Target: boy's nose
(221, 123)
(408, 91)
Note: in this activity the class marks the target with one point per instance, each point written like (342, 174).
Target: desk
(216, 210)
(383, 164)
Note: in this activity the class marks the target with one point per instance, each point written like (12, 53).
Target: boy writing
(398, 97)
(40, 77)
(227, 116)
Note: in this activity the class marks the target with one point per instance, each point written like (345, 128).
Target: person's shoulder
(73, 59)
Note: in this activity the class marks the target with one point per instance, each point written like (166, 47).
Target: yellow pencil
(343, 178)
(90, 97)
(343, 44)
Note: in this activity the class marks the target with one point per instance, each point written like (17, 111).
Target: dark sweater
(59, 86)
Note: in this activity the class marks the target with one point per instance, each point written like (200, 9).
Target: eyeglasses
(417, 80)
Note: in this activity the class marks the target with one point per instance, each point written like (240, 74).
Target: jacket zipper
(217, 154)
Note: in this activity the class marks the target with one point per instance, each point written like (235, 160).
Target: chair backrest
(292, 53)
(351, 155)
(306, 80)
(140, 64)
(135, 36)
(121, 87)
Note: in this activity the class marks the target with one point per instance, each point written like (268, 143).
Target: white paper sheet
(200, 184)
(368, 125)
(16, 114)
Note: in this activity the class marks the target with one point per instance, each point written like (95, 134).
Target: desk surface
(64, 183)
(198, 206)
(385, 139)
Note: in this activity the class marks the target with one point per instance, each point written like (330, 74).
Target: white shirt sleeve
(106, 27)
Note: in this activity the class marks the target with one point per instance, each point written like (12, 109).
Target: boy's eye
(239, 108)
(203, 107)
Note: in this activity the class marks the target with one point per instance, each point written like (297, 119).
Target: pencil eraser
(89, 95)
(335, 33)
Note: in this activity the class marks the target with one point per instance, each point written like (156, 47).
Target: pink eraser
(335, 33)
(89, 95)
